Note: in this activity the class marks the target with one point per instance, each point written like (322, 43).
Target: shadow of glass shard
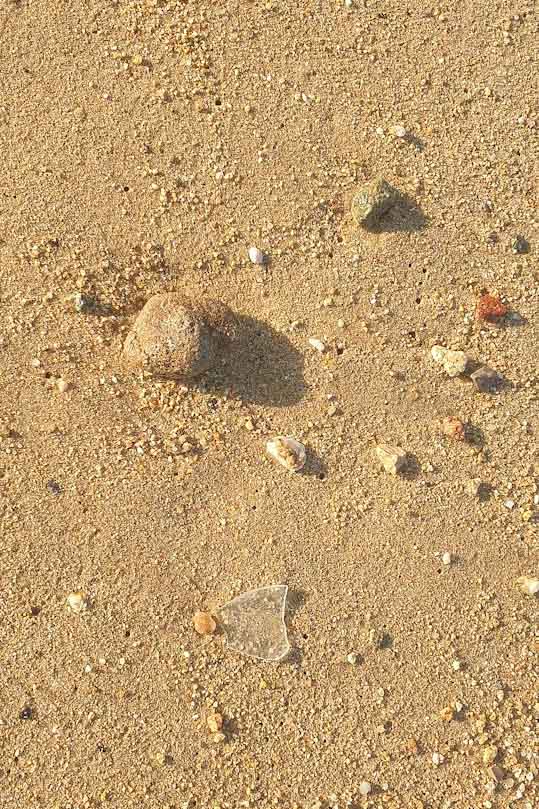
(254, 623)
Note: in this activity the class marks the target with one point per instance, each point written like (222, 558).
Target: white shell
(77, 602)
(256, 256)
(529, 585)
(288, 452)
(317, 344)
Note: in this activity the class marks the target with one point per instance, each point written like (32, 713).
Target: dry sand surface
(145, 146)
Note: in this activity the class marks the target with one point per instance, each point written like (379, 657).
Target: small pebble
(317, 344)
(62, 385)
(77, 602)
(520, 245)
(446, 558)
(83, 303)
(288, 452)
(454, 428)
(453, 362)
(486, 379)
(489, 754)
(256, 256)
(490, 308)
(437, 759)
(473, 486)
(204, 623)
(393, 459)
(352, 659)
(529, 585)
(399, 131)
(372, 201)
(214, 722)
(365, 788)
(447, 714)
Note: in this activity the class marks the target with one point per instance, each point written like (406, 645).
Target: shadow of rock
(514, 320)
(474, 436)
(258, 364)
(404, 216)
(412, 469)
(413, 140)
(315, 466)
(295, 601)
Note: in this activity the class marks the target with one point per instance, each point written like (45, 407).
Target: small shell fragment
(77, 602)
(256, 256)
(529, 585)
(288, 452)
(393, 459)
(453, 362)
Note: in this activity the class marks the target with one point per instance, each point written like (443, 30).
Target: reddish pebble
(454, 428)
(204, 623)
(490, 308)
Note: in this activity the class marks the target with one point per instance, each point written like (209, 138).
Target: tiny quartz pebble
(214, 722)
(204, 623)
(365, 788)
(437, 759)
(393, 459)
(288, 452)
(528, 585)
(351, 658)
(256, 256)
(453, 362)
(446, 558)
(454, 428)
(77, 602)
(399, 131)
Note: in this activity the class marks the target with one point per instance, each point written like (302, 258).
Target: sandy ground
(144, 146)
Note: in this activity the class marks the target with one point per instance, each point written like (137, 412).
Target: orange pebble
(204, 623)
(490, 308)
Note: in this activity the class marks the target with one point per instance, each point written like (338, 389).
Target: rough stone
(372, 201)
(169, 339)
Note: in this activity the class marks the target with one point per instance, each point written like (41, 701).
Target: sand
(145, 146)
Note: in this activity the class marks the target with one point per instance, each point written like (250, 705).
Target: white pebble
(393, 459)
(317, 344)
(257, 256)
(351, 658)
(437, 759)
(529, 585)
(446, 558)
(400, 131)
(365, 788)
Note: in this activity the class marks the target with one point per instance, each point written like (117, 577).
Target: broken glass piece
(254, 623)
